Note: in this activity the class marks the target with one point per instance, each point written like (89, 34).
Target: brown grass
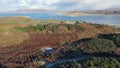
(12, 38)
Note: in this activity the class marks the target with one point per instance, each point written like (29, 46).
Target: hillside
(92, 12)
(22, 44)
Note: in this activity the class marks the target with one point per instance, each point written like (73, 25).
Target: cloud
(88, 4)
(38, 4)
(106, 4)
(59, 4)
(23, 3)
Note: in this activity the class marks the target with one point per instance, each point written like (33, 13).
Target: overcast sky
(59, 4)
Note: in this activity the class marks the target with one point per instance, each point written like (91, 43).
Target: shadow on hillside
(106, 36)
(77, 42)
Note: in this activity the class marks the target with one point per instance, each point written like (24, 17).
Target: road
(49, 65)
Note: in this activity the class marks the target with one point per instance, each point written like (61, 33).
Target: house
(47, 49)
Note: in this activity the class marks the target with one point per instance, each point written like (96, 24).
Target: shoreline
(53, 20)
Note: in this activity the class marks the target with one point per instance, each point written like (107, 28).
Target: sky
(59, 4)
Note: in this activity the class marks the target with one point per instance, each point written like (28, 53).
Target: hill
(92, 12)
(24, 43)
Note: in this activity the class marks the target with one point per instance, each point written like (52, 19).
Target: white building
(47, 49)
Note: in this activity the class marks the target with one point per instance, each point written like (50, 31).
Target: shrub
(114, 37)
(69, 26)
(101, 63)
(55, 28)
(72, 64)
(92, 63)
(38, 27)
(100, 45)
(74, 27)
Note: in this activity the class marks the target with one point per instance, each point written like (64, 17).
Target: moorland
(30, 43)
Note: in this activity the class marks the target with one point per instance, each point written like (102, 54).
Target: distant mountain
(109, 11)
(89, 12)
(106, 11)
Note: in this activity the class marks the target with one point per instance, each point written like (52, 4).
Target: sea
(112, 19)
